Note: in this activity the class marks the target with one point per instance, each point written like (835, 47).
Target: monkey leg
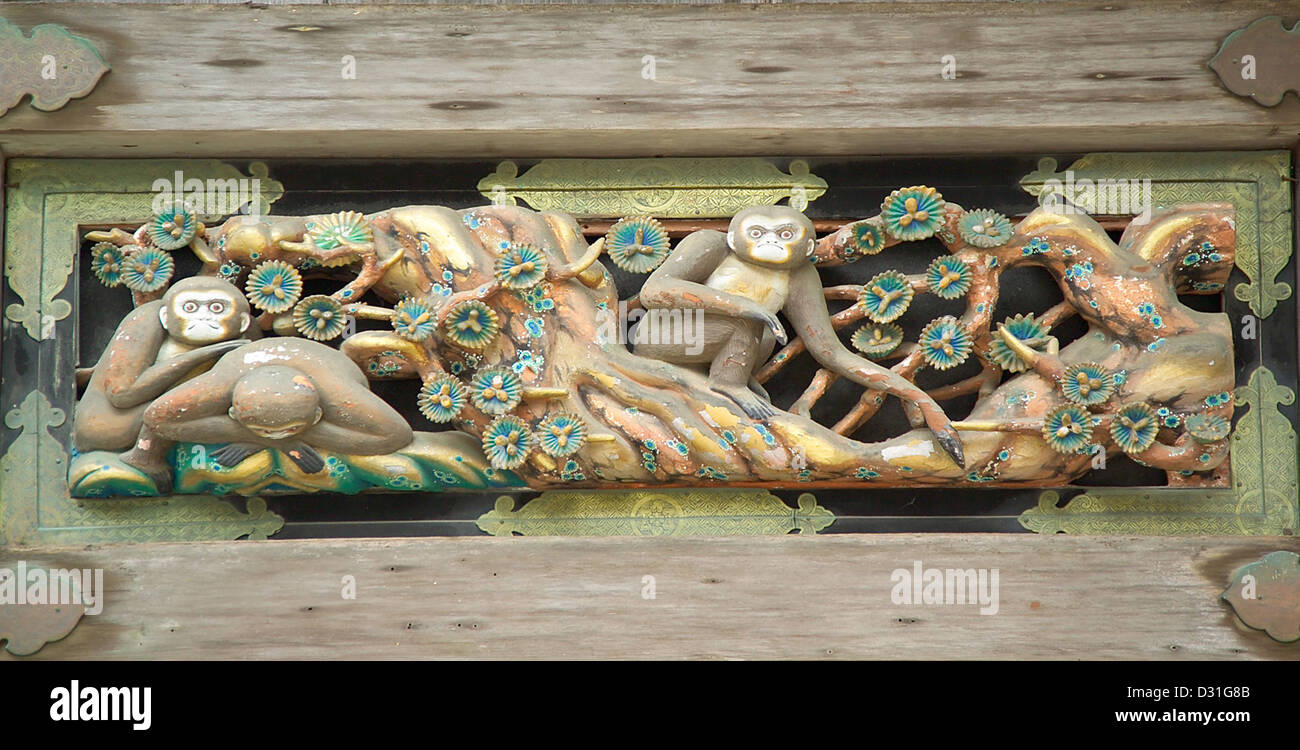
(732, 370)
(698, 344)
(149, 455)
(765, 349)
(98, 426)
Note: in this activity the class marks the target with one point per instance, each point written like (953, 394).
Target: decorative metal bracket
(1265, 595)
(1261, 61)
(26, 628)
(656, 513)
(664, 188)
(52, 65)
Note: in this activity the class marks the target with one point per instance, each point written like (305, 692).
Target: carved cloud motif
(52, 65)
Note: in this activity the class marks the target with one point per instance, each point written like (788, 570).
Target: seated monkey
(742, 279)
(285, 394)
(158, 345)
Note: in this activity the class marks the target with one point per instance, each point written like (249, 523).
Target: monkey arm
(806, 309)
(197, 410)
(159, 377)
(132, 350)
(365, 426)
(678, 283)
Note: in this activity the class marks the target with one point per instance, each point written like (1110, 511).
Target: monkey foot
(232, 454)
(754, 405)
(306, 458)
(105, 474)
(950, 441)
(160, 472)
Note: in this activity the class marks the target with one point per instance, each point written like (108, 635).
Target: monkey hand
(159, 472)
(211, 351)
(232, 454)
(305, 457)
(944, 433)
(770, 320)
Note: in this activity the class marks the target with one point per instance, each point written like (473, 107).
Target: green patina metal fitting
(1259, 60)
(1265, 595)
(664, 188)
(52, 65)
(684, 512)
(1263, 502)
(26, 628)
(1257, 183)
(49, 198)
(35, 505)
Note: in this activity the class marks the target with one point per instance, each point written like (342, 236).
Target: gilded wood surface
(800, 597)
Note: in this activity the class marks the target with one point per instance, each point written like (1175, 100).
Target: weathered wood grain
(783, 597)
(565, 80)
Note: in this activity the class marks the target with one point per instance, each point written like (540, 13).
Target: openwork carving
(504, 316)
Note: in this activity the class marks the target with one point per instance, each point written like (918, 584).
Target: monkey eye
(190, 307)
(786, 234)
(217, 307)
(756, 233)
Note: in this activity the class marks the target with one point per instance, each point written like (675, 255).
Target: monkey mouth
(276, 432)
(204, 330)
(772, 253)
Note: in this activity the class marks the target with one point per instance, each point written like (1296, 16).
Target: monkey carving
(158, 345)
(742, 279)
(287, 394)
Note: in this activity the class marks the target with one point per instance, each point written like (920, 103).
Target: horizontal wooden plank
(531, 81)
(780, 597)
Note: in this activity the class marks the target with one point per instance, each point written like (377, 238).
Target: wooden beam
(775, 597)
(573, 79)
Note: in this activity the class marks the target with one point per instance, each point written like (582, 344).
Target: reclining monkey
(741, 279)
(286, 394)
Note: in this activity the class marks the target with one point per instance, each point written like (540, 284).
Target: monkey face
(204, 313)
(275, 402)
(771, 235)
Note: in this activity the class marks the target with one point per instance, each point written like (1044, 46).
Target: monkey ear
(731, 239)
(231, 413)
(319, 414)
(812, 247)
(244, 322)
(162, 316)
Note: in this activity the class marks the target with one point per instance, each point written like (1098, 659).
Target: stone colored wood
(825, 597)
(566, 80)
